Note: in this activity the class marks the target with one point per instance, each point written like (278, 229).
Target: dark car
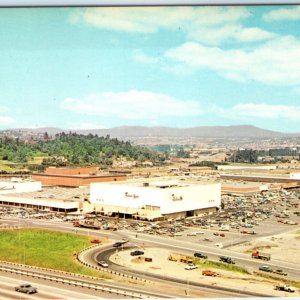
(280, 272)
(117, 244)
(200, 255)
(136, 252)
(26, 288)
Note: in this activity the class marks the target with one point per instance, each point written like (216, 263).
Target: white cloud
(4, 120)
(150, 19)
(132, 105)
(267, 111)
(283, 14)
(233, 32)
(210, 25)
(274, 62)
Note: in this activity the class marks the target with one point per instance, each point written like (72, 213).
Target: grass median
(221, 266)
(45, 248)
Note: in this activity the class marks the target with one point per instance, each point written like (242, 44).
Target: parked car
(102, 264)
(191, 234)
(209, 273)
(266, 269)
(26, 288)
(200, 255)
(136, 252)
(177, 234)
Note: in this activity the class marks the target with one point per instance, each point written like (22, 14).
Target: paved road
(45, 290)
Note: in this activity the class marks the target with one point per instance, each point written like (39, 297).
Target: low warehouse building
(40, 204)
(74, 177)
(156, 200)
(19, 185)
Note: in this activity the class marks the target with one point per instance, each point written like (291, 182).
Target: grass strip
(221, 266)
(293, 283)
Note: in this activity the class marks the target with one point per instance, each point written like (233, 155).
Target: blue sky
(84, 68)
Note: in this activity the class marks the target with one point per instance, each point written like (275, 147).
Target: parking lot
(241, 216)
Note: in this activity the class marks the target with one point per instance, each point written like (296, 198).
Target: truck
(224, 227)
(172, 257)
(88, 223)
(182, 258)
(260, 255)
(186, 259)
(285, 288)
(227, 259)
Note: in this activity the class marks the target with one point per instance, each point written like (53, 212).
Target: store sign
(176, 198)
(134, 196)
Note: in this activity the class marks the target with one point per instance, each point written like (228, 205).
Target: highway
(45, 291)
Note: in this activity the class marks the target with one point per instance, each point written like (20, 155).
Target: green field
(44, 248)
(5, 165)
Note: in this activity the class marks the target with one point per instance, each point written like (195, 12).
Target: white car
(191, 234)
(220, 245)
(102, 264)
(191, 267)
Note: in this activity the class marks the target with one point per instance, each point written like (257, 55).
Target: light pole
(187, 285)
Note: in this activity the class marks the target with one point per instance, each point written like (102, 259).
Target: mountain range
(133, 132)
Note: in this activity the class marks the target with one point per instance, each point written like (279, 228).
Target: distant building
(246, 167)
(15, 193)
(156, 200)
(74, 177)
(18, 185)
(287, 182)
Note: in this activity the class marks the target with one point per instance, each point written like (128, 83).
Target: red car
(209, 273)
(96, 241)
(222, 234)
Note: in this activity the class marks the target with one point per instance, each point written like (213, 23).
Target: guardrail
(62, 280)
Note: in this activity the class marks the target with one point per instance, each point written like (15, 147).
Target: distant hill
(133, 132)
(201, 131)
